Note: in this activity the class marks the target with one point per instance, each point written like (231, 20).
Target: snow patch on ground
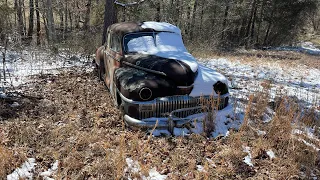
(15, 104)
(47, 174)
(299, 82)
(310, 48)
(181, 132)
(261, 133)
(308, 131)
(304, 47)
(309, 144)
(20, 65)
(24, 172)
(201, 168)
(134, 168)
(271, 155)
(248, 158)
(211, 163)
(155, 175)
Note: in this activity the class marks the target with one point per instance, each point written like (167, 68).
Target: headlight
(145, 94)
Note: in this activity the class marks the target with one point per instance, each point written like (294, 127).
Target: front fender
(130, 81)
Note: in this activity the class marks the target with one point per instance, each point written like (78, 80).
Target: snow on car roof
(161, 26)
(124, 28)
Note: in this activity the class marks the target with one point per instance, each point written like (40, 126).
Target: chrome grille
(162, 107)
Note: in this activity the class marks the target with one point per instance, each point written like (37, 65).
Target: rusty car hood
(176, 70)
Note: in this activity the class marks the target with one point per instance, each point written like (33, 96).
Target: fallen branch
(26, 96)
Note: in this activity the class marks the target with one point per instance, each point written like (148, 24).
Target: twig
(128, 4)
(27, 96)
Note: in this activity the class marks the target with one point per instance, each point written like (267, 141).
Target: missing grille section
(220, 88)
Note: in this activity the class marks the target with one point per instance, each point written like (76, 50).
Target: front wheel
(96, 69)
(117, 101)
(101, 71)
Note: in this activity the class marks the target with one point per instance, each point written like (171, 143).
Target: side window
(115, 43)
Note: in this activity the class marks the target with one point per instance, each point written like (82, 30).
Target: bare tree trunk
(61, 15)
(110, 17)
(62, 20)
(201, 16)
(253, 24)
(213, 21)
(181, 11)
(193, 21)
(31, 16)
(71, 20)
(24, 17)
(124, 14)
(242, 32)
(38, 21)
(187, 29)
(267, 34)
(177, 12)
(65, 17)
(171, 11)
(265, 41)
(260, 21)
(50, 22)
(224, 25)
(158, 7)
(17, 6)
(4, 54)
(87, 17)
(251, 18)
(77, 17)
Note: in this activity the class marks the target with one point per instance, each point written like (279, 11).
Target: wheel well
(119, 100)
(99, 55)
(102, 65)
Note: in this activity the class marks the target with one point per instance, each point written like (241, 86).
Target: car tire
(101, 71)
(116, 97)
(96, 69)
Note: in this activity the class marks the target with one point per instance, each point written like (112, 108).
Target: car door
(112, 59)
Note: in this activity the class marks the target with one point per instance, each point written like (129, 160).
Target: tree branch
(128, 4)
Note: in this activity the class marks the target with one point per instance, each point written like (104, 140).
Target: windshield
(151, 42)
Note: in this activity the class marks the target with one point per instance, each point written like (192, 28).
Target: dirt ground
(70, 117)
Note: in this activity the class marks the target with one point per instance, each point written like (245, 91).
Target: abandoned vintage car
(153, 78)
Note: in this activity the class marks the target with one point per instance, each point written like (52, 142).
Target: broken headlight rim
(220, 88)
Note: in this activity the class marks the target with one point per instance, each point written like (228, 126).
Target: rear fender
(99, 55)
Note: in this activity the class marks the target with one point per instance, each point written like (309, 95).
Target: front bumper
(169, 112)
(193, 122)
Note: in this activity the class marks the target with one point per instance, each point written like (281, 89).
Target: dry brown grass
(9, 159)
(75, 123)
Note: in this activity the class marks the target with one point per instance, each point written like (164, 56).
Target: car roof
(123, 28)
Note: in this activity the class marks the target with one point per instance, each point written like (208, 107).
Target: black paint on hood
(178, 71)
